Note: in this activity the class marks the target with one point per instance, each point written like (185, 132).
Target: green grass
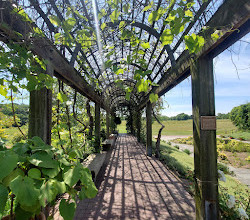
(122, 127)
(224, 126)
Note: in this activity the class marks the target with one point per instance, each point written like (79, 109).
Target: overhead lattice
(114, 44)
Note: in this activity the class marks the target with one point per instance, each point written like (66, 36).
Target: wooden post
(204, 132)
(40, 112)
(138, 125)
(107, 124)
(97, 127)
(149, 128)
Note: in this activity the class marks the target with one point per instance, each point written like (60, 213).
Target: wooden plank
(13, 28)
(230, 16)
(205, 154)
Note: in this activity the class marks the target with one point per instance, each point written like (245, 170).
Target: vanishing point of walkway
(135, 186)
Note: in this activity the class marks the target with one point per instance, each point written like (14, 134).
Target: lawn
(224, 126)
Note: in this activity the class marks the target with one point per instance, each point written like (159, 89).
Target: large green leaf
(8, 161)
(48, 192)
(21, 214)
(72, 176)
(3, 197)
(25, 191)
(15, 173)
(67, 210)
(42, 159)
(53, 172)
(34, 173)
(89, 189)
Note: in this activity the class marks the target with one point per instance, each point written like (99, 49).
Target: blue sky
(230, 89)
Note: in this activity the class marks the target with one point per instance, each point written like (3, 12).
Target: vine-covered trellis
(122, 54)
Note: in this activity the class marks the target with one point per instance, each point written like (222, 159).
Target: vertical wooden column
(149, 128)
(97, 126)
(204, 132)
(138, 125)
(107, 124)
(40, 112)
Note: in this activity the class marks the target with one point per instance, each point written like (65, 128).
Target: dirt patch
(237, 159)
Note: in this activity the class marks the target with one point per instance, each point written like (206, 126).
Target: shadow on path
(134, 186)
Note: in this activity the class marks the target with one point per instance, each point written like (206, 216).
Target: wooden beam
(40, 112)
(232, 18)
(13, 28)
(149, 128)
(204, 133)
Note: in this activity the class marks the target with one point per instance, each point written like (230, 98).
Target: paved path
(137, 187)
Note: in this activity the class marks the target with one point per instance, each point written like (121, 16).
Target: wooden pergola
(168, 65)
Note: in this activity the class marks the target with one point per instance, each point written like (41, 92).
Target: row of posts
(205, 154)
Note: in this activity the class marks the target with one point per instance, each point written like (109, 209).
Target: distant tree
(21, 111)
(240, 116)
(223, 116)
(181, 117)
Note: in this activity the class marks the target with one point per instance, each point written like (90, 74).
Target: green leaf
(34, 173)
(42, 159)
(127, 96)
(72, 176)
(50, 190)
(194, 43)
(166, 37)
(3, 91)
(24, 190)
(62, 97)
(21, 214)
(142, 85)
(67, 210)
(15, 173)
(122, 24)
(119, 71)
(156, 15)
(114, 16)
(3, 197)
(146, 8)
(103, 26)
(188, 13)
(153, 97)
(8, 161)
(55, 20)
(145, 45)
(53, 172)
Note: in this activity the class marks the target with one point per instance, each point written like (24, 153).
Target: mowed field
(224, 127)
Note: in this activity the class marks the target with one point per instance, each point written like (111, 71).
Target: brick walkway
(136, 187)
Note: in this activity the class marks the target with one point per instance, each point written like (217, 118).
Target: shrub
(188, 152)
(223, 156)
(240, 116)
(177, 147)
(37, 174)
